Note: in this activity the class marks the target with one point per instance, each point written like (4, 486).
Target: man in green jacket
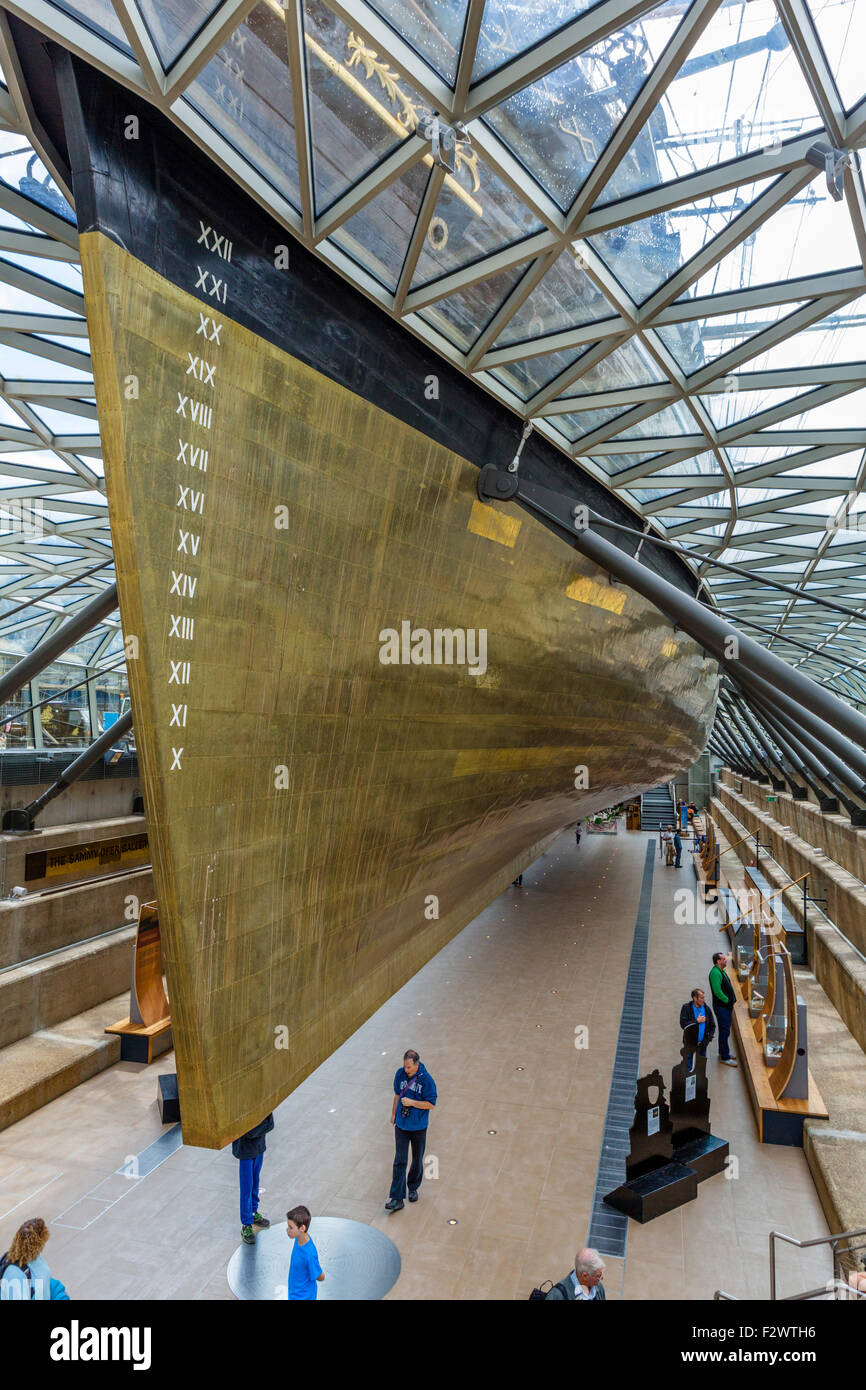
(723, 1004)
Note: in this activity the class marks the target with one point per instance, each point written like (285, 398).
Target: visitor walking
(414, 1097)
(577, 833)
(249, 1150)
(24, 1271)
(668, 843)
(583, 1284)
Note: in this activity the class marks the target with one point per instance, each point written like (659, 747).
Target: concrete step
(44, 992)
(38, 1069)
(47, 921)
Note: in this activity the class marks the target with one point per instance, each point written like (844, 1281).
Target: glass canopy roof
(636, 247)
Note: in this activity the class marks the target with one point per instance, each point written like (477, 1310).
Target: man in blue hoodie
(414, 1098)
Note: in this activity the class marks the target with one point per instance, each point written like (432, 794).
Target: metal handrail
(722, 1296)
(832, 1240)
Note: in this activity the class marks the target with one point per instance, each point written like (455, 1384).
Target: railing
(837, 1287)
(809, 903)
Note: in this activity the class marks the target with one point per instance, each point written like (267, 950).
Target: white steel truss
(648, 240)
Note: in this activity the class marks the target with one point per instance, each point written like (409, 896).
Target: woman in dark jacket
(249, 1150)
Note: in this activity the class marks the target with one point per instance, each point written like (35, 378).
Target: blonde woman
(24, 1273)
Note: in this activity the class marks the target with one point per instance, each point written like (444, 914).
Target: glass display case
(775, 1032)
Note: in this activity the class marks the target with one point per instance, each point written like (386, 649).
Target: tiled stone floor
(507, 993)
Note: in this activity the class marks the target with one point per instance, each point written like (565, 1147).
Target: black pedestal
(705, 1155)
(652, 1194)
(167, 1098)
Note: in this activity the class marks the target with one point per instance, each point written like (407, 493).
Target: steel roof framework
(729, 453)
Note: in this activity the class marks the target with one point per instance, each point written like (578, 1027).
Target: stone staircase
(656, 809)
(65, 967)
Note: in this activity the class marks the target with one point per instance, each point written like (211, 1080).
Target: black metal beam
(52, 647)
(701, 623)
(22, 818)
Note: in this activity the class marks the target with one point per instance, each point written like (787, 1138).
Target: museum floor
(516, 1133)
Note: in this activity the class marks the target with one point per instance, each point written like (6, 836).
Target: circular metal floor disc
(358, 1261)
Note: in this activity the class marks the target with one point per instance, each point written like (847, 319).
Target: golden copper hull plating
(322, 820)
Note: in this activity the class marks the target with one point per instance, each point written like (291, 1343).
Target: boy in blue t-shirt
(304, 1269)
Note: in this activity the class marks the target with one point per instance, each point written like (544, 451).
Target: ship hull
(328, 803)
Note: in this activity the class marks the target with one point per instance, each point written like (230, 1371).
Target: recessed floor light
(539, 1025)
(553, 991)
(491, 1131)
(519, 1069)
(332, 1112)
(452, 1221)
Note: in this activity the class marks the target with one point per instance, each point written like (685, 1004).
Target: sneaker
(391, 1205)
(247, 1235)
(413, 1196)
(259, 1220)
(728, 1061)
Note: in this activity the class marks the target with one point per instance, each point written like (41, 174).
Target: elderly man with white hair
(585, 1280)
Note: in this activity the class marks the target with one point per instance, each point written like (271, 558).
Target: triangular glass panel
(559, 125)
(8, 417)
(696, 342)
(22, 169)
(173, 27)
(841, 26)
(646, 253)
(584, 422)
(810, 235)
(845, 413)
(565, 298)
(378, 235)
(674, 419)
(817, 506)
(533, 373)
(434, 28)
(702, 466)
(839, 466)
(742, 65)
(743, 457)
(244, 92)
(58, 272)
(839, 338)
(476, 214)
(461, 317)
(360, 108)
(629, 365)
(730, 407)
(510, 27)
(621, 463)
(60, 422)
(645, 494)
(100, 17)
